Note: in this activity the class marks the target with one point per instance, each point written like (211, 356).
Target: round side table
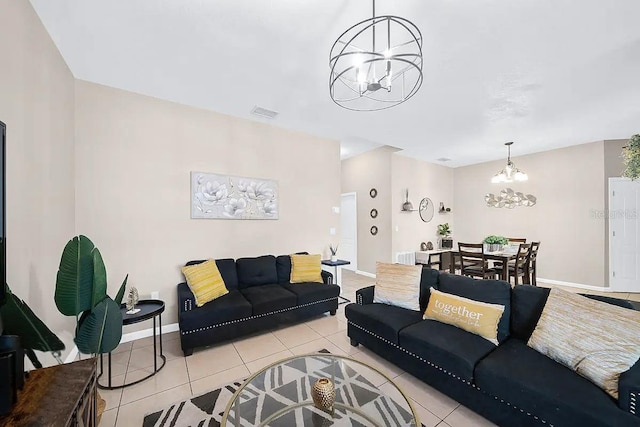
(149, 309)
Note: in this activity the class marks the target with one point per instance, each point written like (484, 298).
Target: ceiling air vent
(263, 112)
(443, 159)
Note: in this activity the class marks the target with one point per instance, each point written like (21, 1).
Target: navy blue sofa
(260, 297)
(509, 384)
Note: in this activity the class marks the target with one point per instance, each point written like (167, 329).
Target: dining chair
(473, 262)
(498, 264)
(516, 239)
(531, 263)
(431, 262)
(520, 266)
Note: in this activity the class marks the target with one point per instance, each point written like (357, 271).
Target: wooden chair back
(471, 254)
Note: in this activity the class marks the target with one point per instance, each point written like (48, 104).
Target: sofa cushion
(205, 281)
(268, 298)
(256, 271)
(227, 268)
(477, 317)
(489, 291)
(527, 303)
(312, 291)
(232, 306)
(536, 384)
(428, 280)
(283, 268)
(446, 346)
(306, 268)
(596, 339)
(383, 320)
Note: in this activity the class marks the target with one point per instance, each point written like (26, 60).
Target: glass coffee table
(280, 395)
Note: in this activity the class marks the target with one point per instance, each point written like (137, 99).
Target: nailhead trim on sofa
(453, 375)
(254, 317)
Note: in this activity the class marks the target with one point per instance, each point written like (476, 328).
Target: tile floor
(211, 367)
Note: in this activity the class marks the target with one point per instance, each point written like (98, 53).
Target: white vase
(334, 258)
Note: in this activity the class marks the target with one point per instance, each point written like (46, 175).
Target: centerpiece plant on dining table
(495, 243)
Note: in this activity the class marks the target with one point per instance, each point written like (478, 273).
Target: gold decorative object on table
(324, 394)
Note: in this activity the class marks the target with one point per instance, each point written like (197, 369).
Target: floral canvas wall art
(233, 197)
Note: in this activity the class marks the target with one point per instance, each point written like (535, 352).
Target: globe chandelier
(376, 64)
(510, 173)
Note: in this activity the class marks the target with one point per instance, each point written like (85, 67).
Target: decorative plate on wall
(373, 193)
(374, 230)
(426, 209)
(374, 213)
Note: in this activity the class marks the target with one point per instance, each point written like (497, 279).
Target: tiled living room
(267, 180)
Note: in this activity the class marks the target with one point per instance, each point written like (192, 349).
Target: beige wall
(569, 185)
(36, 103)
(133, 158)
(360, 174)
(423, 179)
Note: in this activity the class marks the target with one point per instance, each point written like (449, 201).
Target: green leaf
(120, 295)
(99, 278)
(19, 320)
(74, 281)
(100, 330)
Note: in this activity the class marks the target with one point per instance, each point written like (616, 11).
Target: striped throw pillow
(595, 339)
(205, 281)
(398, 284)
(306, 268)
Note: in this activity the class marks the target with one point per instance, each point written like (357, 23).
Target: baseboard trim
(131, 336)
(577, 285)
(364, 273)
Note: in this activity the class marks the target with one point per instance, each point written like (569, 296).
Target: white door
(348, 250)
(624, 235)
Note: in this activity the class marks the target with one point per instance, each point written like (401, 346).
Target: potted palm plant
(81, 291)
(444, 231)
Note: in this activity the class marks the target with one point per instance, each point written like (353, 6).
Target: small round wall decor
(373, 193)
(374, 213)
(374, 230)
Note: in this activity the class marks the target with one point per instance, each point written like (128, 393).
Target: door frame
(354, 265)
(612, 180)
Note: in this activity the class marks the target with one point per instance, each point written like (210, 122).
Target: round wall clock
(373, 193)
(373, 213)
(374, 230)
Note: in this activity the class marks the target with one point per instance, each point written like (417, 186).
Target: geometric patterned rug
(284, 387)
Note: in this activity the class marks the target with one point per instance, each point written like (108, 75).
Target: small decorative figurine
(132, 300)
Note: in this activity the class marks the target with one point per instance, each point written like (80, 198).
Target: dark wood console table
(62, 395)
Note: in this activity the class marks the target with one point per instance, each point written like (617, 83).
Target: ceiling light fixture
(376, 63)
(510, 173)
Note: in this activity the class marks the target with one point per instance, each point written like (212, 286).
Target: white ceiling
(542, 73)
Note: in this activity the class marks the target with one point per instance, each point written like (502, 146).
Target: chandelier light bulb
(510, 172)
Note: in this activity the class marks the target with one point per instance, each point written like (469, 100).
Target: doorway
(349, 230)
(624, 235)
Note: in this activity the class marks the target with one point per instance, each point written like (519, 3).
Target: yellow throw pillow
(205, 281)
(306, 268)
(477, 317)
(398, 284)
(597, 340)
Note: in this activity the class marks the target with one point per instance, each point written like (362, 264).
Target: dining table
(449, 255)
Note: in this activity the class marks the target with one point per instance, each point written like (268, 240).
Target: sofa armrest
(186, 300)
(365, 295)
(327, 277)
(629, 390)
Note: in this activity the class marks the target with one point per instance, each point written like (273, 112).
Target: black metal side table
(335, 264)
(149, 309)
